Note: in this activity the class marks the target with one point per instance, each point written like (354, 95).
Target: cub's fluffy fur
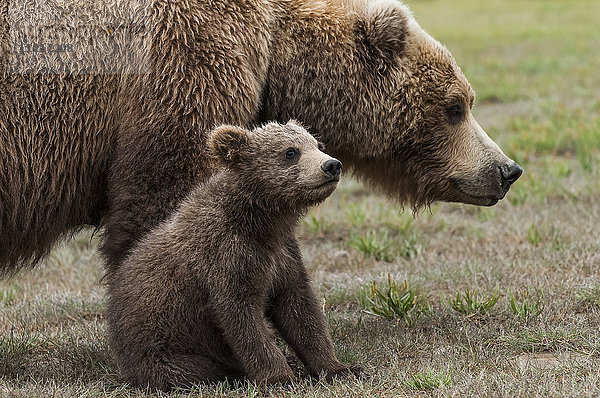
(196, 299)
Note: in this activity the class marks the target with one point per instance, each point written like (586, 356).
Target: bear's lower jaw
(486, 202)
(315, 195)
(463, 192)
(476, 200)
(330, 184)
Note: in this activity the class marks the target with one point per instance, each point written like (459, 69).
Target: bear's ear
(226, 143)
(382, 27)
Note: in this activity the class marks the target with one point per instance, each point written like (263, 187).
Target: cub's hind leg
(178, 370)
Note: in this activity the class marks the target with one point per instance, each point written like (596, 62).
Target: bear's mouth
(479, 200)
(333, 181)
(473, 199)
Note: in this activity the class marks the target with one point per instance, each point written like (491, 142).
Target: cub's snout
(332, 168)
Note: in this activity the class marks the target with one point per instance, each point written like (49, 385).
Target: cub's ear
(226, 143)
(382, 27)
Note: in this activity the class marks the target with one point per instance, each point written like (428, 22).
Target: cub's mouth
(328, 183)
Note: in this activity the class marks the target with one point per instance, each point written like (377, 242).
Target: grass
(7, 296)
(534, 65)
(470, 303)
(356, 215)
(428, 380)
(393, 301)
(381, 246)
(316, 224)
(527, 306)
(372, 246)
(536, 235)
(588, 297)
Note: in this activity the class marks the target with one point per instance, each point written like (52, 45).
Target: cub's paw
(281, 378)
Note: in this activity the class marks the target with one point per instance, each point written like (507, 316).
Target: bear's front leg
(296, 314)
(247, 333)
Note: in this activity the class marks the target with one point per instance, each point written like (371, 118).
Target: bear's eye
(321, 146)
(454, 113)
(290, 153)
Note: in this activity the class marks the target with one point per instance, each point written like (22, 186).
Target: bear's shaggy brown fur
(111, 130)
(195, 299)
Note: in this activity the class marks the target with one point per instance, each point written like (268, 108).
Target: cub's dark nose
(332, 167)
(510, 173)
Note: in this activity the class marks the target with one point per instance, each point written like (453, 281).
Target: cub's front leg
(296, 314)
(239, 311)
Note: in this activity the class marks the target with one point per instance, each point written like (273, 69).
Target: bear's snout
(510, 173)
(332, 168)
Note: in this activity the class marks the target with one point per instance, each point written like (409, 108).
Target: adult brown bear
(105, 107)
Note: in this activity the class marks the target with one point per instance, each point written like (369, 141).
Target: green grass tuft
(534, 236)
(409, 246)
(588, 297)
(428, 380)
(379, 248)
(537, 235)
(393, 301)
(7, 296)
(316, 225)
(356, 214)
(471, 304)
(526, 307)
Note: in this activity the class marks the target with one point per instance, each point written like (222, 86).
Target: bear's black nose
(510, 173)
(332, 167)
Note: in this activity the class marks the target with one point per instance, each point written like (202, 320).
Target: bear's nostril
(511, 173)
(332, 167)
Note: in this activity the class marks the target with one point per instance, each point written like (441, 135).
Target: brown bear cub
(197, 298)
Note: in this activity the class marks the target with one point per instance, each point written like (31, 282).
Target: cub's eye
(290, 153)
(321, 146)
(455, 113)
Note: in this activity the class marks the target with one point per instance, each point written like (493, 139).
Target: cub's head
(281, 165)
